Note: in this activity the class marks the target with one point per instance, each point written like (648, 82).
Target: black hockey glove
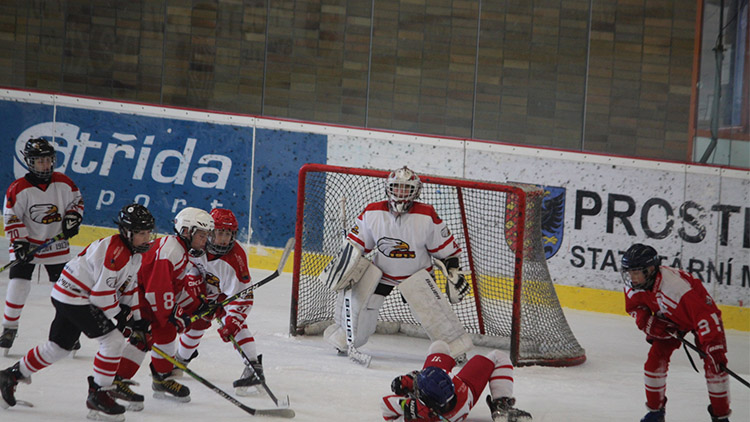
(404, 384)
(123, 318)
(21, 248)
(180, 322)
(71, 223)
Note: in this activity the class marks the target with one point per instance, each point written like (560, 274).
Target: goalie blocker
(356, 311)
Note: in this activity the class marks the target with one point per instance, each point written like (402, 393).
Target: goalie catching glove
(457, 287)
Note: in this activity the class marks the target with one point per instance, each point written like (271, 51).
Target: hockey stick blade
(284, 257)
(282, 413)
(34, 251)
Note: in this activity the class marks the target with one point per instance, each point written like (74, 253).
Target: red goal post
(512, 304)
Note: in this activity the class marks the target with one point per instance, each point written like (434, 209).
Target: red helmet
(224, 219)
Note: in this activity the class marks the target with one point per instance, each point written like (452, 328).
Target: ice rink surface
(325, 387)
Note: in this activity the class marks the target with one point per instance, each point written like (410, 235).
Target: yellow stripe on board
(582, 298)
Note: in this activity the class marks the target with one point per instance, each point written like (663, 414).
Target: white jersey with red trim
(104, 274)
(233, 277)
(35, 212)
(405, 243)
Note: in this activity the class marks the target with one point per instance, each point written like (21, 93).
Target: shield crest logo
(553, 220)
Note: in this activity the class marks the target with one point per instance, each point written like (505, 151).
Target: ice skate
(503, 411)
(177, 372)
(8, 381)
(252, 376)
(715, 418)
(7, 338)
(654, 416)
(102, 406)
(133, 401)
(166, 388)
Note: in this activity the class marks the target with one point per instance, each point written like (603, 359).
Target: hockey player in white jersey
(38, 207)
(227, 274)
(94, 296)
(405, 236)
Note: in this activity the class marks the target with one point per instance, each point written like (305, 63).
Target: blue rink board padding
(166, 164)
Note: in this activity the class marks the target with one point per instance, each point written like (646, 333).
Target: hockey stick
(703, 355)
(285, 401)
(282, 413)
(284, 256)
(33, 252)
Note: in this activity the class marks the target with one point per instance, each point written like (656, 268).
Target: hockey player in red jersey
(228, 274)
(97, 287)
(405, 236)
(166, 270)
(434, 395)
(38, 207)
(667, 302)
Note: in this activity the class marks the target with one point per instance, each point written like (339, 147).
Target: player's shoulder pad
(118, 254)
(425, 209)
(237, 259)
(17, 186)
(62, 178)
(377, 206)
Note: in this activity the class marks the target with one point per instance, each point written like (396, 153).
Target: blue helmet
(640, 257)
(434, 387)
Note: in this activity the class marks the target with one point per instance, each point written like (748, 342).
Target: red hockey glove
(230, 329)
(715, 357)
(659, 328)
(404, 384)
(414, 409)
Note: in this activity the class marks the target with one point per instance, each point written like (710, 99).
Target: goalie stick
(702, 354)
(284, 256)
(284, 402)
(278, 412)
(33, 252)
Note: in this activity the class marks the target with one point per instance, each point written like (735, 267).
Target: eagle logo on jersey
(212, 279)
(394, 248)
(111, 282)
(45, 213)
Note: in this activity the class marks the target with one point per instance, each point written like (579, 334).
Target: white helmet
(402, 188)
(192, 219)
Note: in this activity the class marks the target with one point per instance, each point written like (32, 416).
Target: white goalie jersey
(405, 243)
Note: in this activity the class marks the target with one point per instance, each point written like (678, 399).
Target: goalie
(405, 236)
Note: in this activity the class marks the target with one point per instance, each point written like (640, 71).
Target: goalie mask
(36, 150)
(190, 220)
(134, 218)
(402, 188)
(225, 223)
(639, 267)
(435, 389)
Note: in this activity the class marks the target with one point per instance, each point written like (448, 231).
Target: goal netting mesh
(512, 304)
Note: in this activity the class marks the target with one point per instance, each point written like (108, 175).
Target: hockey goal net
(512, 304)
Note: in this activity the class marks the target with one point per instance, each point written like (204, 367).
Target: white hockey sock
(501, 380)
(247, 343)
(189, 342)
(107, 358)
(15, 299)
(41, 357)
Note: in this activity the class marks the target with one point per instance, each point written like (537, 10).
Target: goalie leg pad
(355, 307)
(434, 313)
(346, 269)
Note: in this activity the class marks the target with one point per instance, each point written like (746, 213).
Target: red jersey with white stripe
(104, 274)
(465, 400)
(404, 243)
(35, 212)
(681, 298)
(162, 278)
